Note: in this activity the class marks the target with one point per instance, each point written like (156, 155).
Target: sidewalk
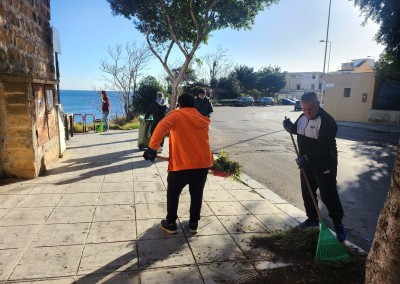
(94, 218)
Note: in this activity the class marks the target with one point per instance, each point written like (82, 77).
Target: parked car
(265, 101)
(297, 105)
(287, 102)
(244, 101)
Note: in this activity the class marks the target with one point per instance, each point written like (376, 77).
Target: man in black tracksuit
(203, 104)
(316, 131)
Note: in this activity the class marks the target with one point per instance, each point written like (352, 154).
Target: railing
(69, 121)
(94, 122)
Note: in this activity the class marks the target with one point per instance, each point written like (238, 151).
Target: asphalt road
(254, 136)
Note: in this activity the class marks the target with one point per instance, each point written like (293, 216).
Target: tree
(383, 262)
(148, 88)
(185, 25)
(219, 64)
(228, 87)
(387, 15)
(270, 80)
(122, 70)
(387, 68)
(246, 77)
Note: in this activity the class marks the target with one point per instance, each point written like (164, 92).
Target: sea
(88, 102)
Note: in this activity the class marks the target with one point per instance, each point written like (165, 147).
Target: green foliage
(224, 164)
(185, 24)
(246, 77)
(387, 15)
(228, 87)
(147, 92)
(387, 68)
(270, 80)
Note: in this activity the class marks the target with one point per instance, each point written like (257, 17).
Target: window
(346, 93)
(298, 87)
(312, 87)
(313, 76)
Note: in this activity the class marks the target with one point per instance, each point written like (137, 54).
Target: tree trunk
(174, 96)
(383, 262)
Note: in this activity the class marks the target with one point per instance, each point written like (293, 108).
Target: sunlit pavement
(95, 218)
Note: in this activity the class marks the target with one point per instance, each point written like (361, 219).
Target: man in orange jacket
(190, 158)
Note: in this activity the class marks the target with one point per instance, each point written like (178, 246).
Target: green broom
(328, 248)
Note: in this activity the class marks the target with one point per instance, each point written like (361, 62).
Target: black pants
(196, 179)
(153, 126)
(325, 180)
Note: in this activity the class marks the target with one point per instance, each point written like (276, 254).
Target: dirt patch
(297, 247)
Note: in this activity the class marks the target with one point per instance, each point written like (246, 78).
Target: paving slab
(173, 275)
(228, 272)
(61, 234)
(108, 257)
(169, 252)
(42, 262)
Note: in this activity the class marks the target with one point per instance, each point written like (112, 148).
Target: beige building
(352, 92)
(349, 96)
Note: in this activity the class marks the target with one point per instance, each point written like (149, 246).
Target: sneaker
(309, 223)
(169, 228)
(340, 233)
(193, 227)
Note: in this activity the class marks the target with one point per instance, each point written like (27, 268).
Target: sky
(286, 35)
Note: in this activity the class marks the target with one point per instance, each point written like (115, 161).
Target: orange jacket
(189, 145)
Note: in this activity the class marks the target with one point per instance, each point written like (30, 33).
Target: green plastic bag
(100, 127)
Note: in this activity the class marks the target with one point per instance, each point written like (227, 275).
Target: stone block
(2, 11)
(13, 20)
(22, 131)
(26, 10)
(19, 122)
(18, 109)
(19, 146)
(21, 43)
(5, 36)
(19, 93)
(14, 57)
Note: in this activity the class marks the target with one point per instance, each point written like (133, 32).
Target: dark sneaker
(169, 228)
(193, 227)
(340, 233)
(309, 223)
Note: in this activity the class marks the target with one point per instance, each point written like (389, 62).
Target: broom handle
(305, 177)
(163, 158)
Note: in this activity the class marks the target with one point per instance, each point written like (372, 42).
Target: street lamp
(329, 56)
(371, 56)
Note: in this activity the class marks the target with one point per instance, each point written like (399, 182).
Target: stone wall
(26, 59)
(26, 38)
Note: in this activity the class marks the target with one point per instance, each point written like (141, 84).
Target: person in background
(316, 131)
(190, 158)
(203, 104)
(105, 109)
(158, 108)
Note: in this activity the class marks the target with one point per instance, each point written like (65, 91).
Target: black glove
(302, 161)
(287, 124)
(150, 154)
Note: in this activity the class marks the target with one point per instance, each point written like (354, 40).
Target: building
(299, 82)
(29, 124)
(353, 94)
